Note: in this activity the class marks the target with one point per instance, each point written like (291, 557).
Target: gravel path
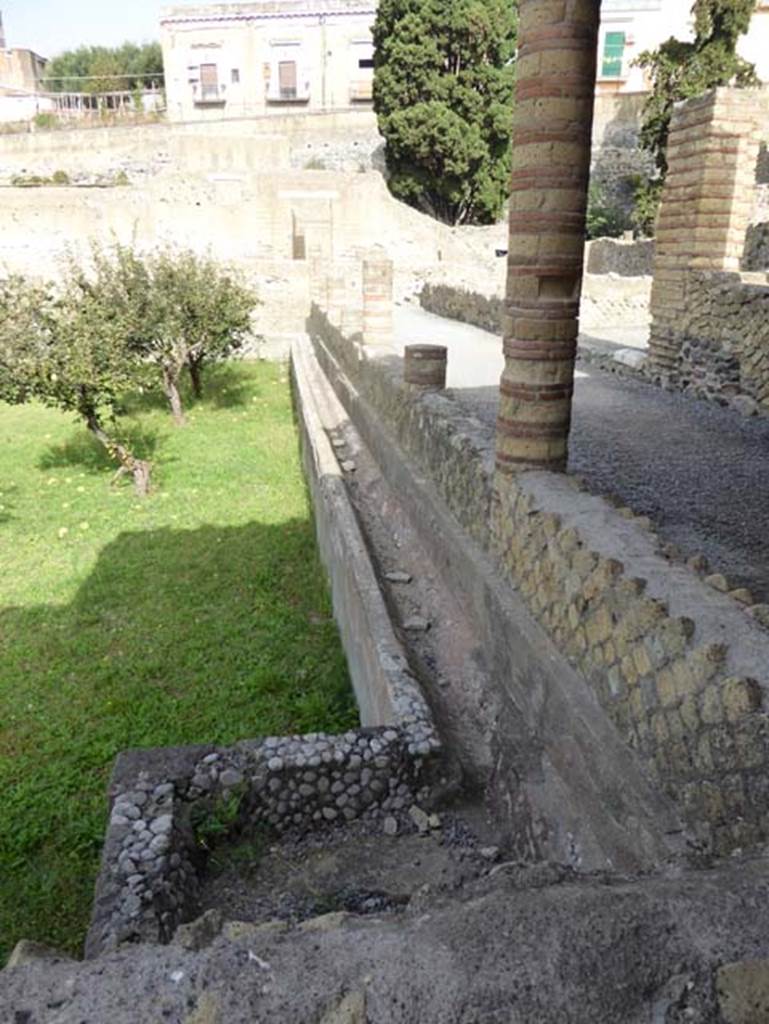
(700, 471)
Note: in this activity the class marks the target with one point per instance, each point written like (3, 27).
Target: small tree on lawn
(74, 348)
(200, 312)
(443, 94)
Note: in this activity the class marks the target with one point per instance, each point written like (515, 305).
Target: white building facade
(269, 56)
(628, 27)
(246, 59)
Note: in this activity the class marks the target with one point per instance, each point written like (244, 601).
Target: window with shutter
(287, 79)
(613, 54)
(209, 82)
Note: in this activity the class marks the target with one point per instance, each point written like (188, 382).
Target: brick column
(551, 163)
(377, 300)
(706, 205)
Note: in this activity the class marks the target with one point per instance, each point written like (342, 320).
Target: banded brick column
(707, 202)
(551, 164)
(377, 300)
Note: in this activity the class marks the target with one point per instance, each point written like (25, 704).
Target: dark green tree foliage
(682, 70)
(443, 94)
(106, 69)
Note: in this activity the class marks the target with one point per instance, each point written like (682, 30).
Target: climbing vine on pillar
(680, 70)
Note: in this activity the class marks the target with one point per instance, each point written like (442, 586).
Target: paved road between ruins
(699, 471)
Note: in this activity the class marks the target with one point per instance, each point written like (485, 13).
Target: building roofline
(266, 11)
(24, 49)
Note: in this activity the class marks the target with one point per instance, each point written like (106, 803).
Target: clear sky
(50, 26)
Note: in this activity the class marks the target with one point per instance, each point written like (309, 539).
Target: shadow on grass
(207, 635)
(83, 450)
(225, 386)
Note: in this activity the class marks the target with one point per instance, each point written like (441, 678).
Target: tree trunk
(171, 387)
(139, 469)
(195, 367)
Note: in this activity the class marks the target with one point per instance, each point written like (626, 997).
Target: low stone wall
(678, 668)
(467, 306)
(616, 256)
(608, 300)
(722, 336)
(756, 254)
(163, 799)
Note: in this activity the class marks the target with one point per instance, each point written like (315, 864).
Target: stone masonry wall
(680, 669)
(723, 336)
(608, 299)
(707, 323)
(162, 798)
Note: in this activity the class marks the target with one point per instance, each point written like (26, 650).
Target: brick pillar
(706, 205)
(551, 163)
(377, 300)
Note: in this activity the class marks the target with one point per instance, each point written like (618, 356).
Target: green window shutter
(613, 51)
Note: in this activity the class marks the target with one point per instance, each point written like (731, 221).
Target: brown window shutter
(209, 80)
(287, 79)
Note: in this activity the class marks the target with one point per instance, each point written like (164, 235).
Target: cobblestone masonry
(707, 206)
(152, 857)
(679, 668)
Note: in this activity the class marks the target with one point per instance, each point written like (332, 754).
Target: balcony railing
(210, 95)
(288, 95)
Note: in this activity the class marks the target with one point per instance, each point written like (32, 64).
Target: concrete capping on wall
(678, 668)
(386, 691)
(152, 859)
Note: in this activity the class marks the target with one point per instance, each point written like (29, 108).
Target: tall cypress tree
(682, 70)
(443, 94)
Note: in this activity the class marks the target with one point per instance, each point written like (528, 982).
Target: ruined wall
(678, 668)
(344, 141)
(252, 218)
(708, 324)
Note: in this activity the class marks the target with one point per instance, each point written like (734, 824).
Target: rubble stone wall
(164, 800)
(723, 336)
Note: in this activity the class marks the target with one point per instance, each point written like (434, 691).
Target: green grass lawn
(199, 614)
